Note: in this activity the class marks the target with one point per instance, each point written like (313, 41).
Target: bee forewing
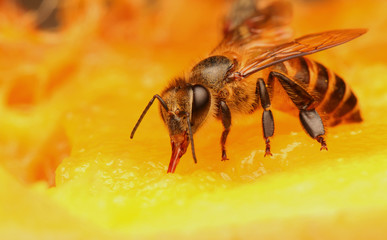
(299, 47)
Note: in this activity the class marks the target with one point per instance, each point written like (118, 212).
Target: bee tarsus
(267, 149)
(267, 115)
(225, 116)
(321, 140)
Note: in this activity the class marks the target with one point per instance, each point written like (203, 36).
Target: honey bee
(258, 65)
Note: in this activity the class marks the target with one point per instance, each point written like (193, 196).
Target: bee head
(183, 108)
(185, 101)
(186, 108)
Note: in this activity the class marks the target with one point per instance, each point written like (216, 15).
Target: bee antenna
(191, 138)
(146, 110)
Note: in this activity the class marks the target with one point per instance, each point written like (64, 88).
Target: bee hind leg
(309, 118)
(267, 115)
(225, 116)
(312, 123)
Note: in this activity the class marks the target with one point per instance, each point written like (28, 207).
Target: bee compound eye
(200, 103)
(201, 97)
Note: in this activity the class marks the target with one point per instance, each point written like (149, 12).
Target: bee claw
(268, 153)
(321, 140)
(224, 156)
(267, 150)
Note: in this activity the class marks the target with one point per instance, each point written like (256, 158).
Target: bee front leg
(267, 115)
(309, 118)
(225, 116)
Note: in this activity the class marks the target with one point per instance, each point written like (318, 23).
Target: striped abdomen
(336, 102)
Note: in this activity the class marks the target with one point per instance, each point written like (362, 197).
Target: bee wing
(248, 25)
(299, 47)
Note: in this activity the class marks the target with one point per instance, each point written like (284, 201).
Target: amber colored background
(69, 97)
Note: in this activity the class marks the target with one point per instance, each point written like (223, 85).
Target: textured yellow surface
(75, 95)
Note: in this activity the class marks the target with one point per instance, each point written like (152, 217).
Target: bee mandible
(258, 65)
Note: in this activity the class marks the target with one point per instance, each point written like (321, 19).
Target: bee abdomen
(336, 102)
(341, 104)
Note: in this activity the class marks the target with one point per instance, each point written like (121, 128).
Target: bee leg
(225, 116)
(267, 115)
(312, 123)
(310, 119)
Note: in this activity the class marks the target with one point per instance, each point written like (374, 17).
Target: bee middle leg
(225, 116)
(267, 115)
(310, 119)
